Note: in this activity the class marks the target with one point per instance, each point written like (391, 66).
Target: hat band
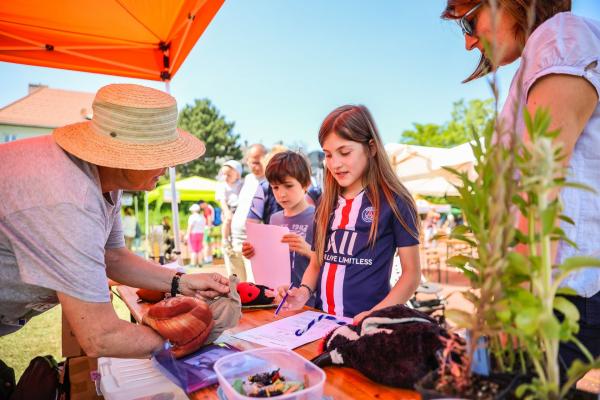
(135, 125)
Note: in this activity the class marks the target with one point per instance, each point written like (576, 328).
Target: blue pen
(290, 288)
(284, 299)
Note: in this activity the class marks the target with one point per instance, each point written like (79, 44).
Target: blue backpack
(218, 220)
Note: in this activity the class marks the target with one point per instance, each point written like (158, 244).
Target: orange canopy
(146, 39)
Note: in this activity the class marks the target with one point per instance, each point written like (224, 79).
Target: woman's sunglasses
(468, 27)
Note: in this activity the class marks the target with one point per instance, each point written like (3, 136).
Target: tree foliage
(204, 121)
(474, 115)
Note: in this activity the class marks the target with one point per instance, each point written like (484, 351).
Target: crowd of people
(62, 240)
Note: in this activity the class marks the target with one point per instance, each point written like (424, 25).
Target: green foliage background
(465, 116)
(203, 120)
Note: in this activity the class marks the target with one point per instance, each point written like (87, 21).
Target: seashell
(185, 321)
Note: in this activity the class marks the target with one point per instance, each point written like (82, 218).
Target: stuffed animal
(395, 346)
(253, 295)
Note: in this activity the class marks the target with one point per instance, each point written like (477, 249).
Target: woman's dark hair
(529, 14)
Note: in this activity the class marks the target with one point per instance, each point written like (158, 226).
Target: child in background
(195, 234)
(365, 216)
(288, 173)
(209, 215)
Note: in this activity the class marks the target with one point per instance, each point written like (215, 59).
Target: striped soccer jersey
(355, 275)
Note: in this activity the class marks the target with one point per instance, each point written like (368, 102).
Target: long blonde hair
(354, 122)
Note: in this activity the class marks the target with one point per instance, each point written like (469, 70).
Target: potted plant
(485, 200)
(516, 295)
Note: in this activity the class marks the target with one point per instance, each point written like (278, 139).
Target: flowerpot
(505, 384)
(576, 394)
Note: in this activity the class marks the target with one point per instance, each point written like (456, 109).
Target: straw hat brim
(82, 141)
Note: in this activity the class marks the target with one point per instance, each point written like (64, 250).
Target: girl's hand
(359, 317)
(296, 299)
(247, 250)
(297, 244)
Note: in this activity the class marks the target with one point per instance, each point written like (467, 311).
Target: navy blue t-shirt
(355, 275)
(301, 224)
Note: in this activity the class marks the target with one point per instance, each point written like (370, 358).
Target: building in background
(42, 110)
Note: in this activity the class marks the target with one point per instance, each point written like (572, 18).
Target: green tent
(189, 189)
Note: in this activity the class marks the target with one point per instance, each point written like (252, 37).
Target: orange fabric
(116, 37)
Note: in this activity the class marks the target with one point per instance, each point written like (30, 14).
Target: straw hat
(133, 127)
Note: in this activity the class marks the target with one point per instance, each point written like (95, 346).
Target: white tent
(420, 168)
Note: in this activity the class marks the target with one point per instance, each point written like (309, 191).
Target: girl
(365, 214)
(559, 71)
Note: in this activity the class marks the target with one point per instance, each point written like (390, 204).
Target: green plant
(486, 199)
(540, 163)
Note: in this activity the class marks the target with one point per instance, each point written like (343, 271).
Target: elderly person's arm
(101, 333)
(125, 267)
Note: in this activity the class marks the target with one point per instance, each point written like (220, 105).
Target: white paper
(281, 333)
(271, 261)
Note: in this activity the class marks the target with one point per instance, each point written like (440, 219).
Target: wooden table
(342, 383)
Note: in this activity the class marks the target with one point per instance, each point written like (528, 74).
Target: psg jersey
(355, 274)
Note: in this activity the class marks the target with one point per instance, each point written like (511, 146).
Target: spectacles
(468, 27)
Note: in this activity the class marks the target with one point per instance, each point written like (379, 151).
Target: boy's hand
(297, 244)
(296, 299)
(247, 250)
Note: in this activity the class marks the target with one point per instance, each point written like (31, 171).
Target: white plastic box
(292, 366)
(130, 379)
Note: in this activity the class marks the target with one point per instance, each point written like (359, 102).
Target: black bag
(40, 381)
(7, 381)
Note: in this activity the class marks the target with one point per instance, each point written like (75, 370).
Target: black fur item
(393, 353)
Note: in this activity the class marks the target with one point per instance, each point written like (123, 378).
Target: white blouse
(568, 44)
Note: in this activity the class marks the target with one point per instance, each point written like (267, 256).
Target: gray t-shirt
(55, 225)
(302, 225)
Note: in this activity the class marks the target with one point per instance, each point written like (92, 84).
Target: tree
(204, 121)
(475, 115)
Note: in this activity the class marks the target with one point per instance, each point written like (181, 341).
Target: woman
(560, 71)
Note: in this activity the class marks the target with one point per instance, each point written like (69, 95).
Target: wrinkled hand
(359, 317)
(204, 285)
(296, 299)
(247, 250)
(297, 244)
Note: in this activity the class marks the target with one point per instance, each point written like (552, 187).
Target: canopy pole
(146, 226)
(174, 205)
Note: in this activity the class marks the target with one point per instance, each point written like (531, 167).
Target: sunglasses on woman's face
(468, 27)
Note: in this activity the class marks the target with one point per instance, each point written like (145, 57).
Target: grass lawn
(41, 336)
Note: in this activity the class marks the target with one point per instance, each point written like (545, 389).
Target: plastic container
(129, 379)
(291, 365)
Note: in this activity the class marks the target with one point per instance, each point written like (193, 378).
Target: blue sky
(277, 68)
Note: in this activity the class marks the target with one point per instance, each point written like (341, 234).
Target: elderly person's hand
(204, 285)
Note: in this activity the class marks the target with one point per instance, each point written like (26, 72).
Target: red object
(150, 296)
(185, 321)
(251, 294)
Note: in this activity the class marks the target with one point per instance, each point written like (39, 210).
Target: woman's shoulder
(564, 44)
(565, 37)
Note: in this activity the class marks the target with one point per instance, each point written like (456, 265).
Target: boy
(288, 173)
